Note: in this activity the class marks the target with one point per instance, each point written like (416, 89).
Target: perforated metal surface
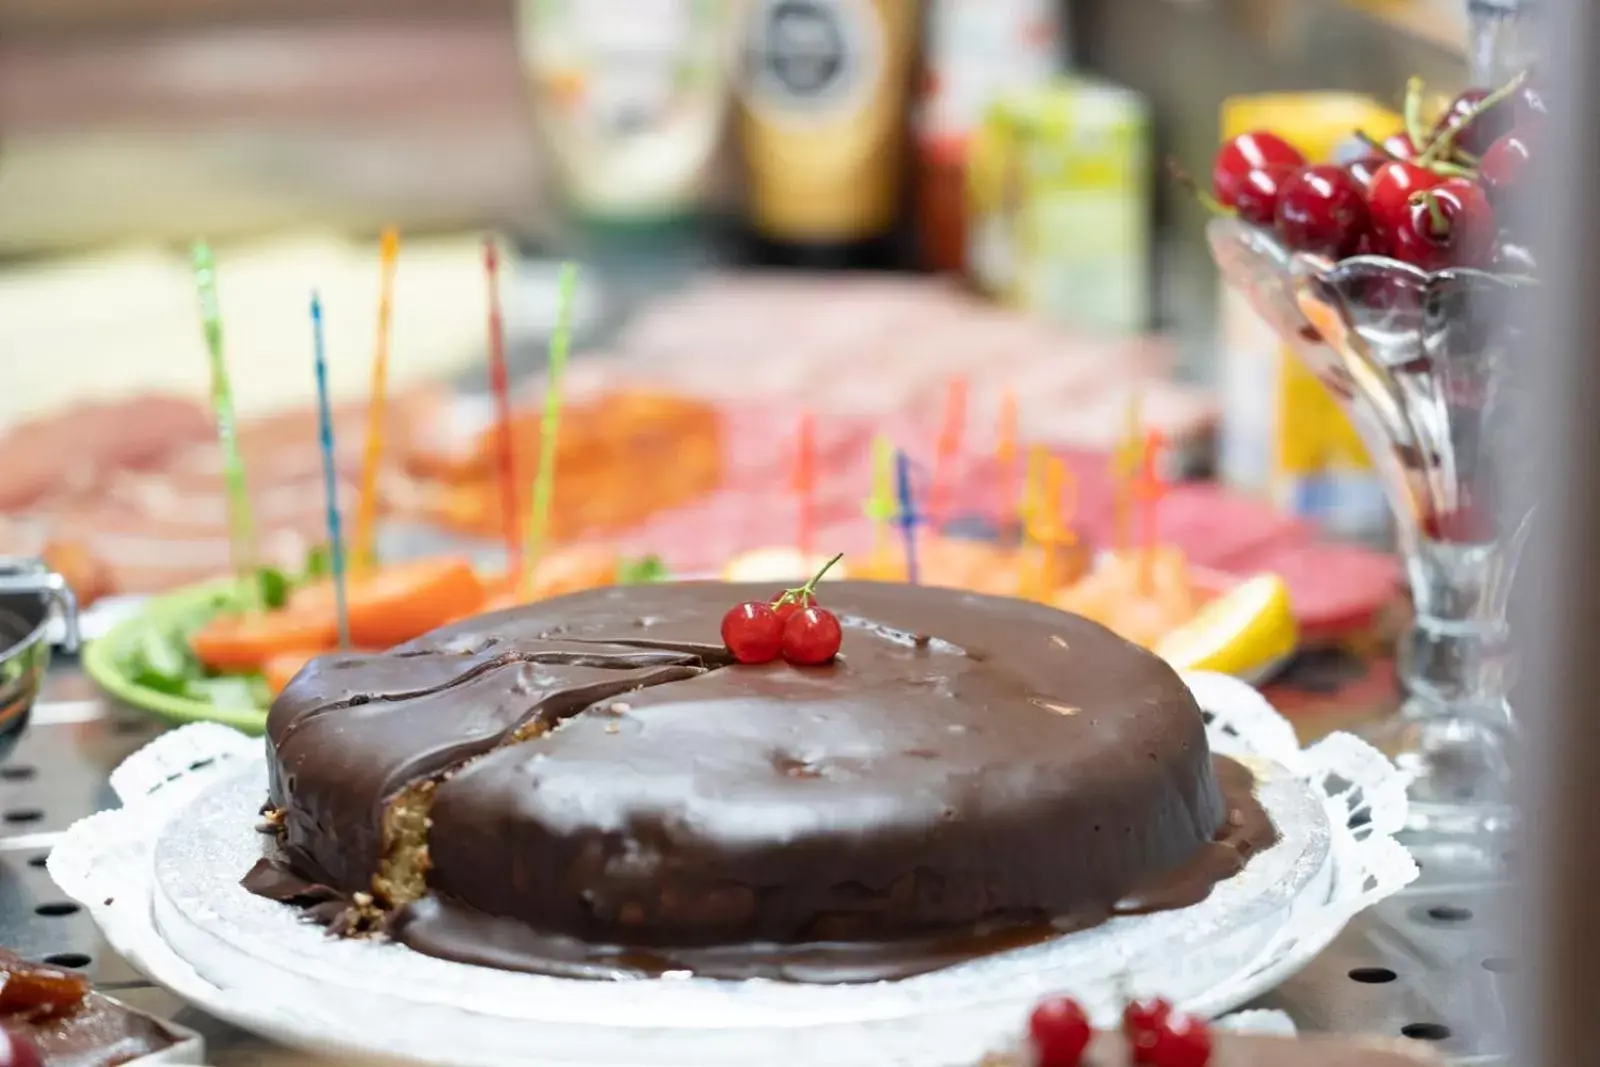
(1427, 964)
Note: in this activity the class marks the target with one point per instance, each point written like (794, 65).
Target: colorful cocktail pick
(1055, 535)
(804, 483)
(880, 506)
(1126, 461)
(947, 451)
(1150, 490)
(330, 474)
(907, 517)
(550, 423)
(364, 547)
(241, 524)
(500, 388)
(1006, 455)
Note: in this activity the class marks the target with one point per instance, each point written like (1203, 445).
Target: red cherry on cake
(1180, 1041)
(1450, 225)
(1256, 199)
(1256, 150)
(1059, 1031)
(18, 1051)
(753, 632)
(1389, 195)
(786, 604)
(812, 637)
(1321, 209)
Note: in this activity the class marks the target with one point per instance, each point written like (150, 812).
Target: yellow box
(1283, 434)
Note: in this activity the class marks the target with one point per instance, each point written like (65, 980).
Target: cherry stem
(1438, 221)
(1452, 170)
(792, 596)
(1413, 110)
(1444, 144)
(1373, 143)
(1207, 201)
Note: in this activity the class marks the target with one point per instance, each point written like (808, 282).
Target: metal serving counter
(1426, 964)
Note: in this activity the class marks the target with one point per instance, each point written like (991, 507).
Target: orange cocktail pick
(1150, 490)
(1029, 506)
(367, 503)
(1005, 458)
(804, 481)
(1125, 465)
(948, 449)
(1053, 526)
(500, 388)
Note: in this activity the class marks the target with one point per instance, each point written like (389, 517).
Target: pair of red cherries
(790, 625)
(1158, 1035)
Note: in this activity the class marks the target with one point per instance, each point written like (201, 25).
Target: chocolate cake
(590, 785)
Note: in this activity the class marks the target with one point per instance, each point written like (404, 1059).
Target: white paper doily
(166, 892)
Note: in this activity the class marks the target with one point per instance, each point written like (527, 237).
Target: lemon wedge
(781, 565)
(1244, 632)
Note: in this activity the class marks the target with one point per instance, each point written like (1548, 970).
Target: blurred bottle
(1058, 204)
(631, 97)
(1504, 40)
(975, 51)
(822, 127)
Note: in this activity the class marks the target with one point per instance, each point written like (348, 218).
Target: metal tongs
(21, 576)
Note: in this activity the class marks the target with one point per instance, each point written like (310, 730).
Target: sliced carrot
(245, 642)
(399, 602)
(280, 670)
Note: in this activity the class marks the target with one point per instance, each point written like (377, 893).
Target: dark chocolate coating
(967, 760)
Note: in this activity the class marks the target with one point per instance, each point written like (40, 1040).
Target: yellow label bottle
(822, 119)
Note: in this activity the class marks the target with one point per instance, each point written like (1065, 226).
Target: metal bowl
(30, 596)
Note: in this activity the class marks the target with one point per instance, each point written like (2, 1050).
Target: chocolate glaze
(968, 764)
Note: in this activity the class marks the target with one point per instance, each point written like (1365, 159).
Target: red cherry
(753, 632)
(1450, 225)
(1321, 210)
(1400, 146)
(1181, 1041)
(1389, 195)
(1059, 1031)
(1256, 199)
(1144, 1017)
(1363, 169)
(1502, 165)
(1477, 134)
(788, 607)
(811, 637)
(18, 1051)
(1245, 153)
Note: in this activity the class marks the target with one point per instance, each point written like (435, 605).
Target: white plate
(176, 852)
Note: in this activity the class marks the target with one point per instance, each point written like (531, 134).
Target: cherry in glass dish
(32, 599)
(1425, 364)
